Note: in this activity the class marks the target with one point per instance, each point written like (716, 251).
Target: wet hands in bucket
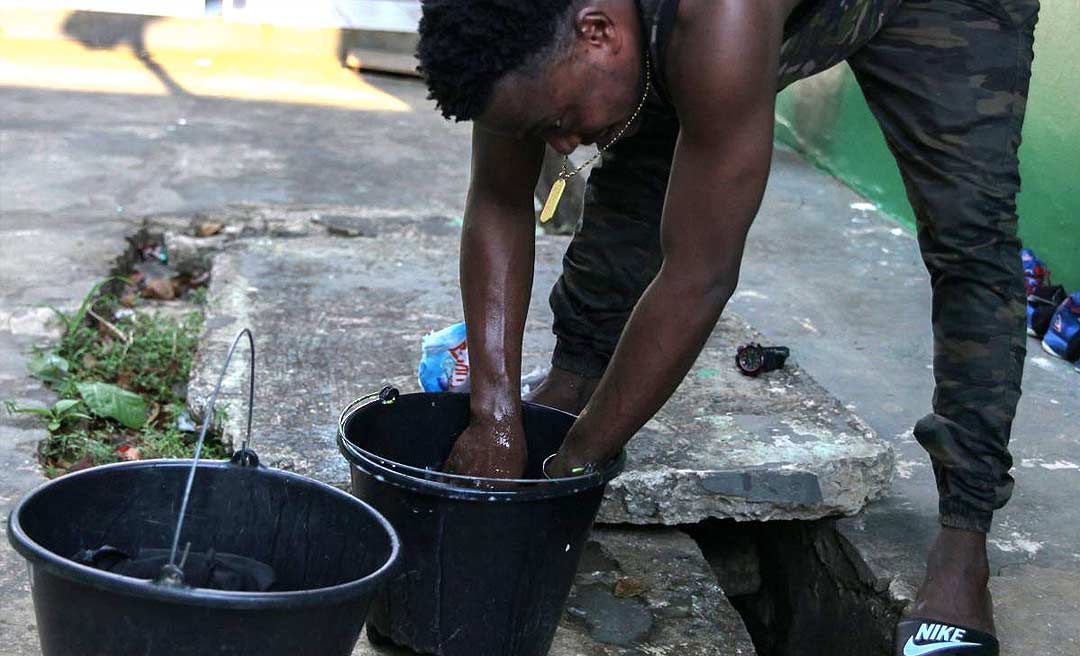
(564, 464)
(494, 449)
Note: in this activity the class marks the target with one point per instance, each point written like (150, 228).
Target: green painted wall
(826, 118)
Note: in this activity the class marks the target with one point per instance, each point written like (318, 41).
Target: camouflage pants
(947, 81)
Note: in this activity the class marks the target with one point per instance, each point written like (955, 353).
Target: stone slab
(642, 591)
(776, 446)
(337, 317)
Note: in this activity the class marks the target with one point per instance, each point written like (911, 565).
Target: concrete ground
(92, 139)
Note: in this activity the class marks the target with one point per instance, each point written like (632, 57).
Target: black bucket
(484, 572)
(328, 552)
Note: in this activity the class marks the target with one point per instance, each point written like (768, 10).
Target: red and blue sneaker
(1062, 340)
(1042, 302)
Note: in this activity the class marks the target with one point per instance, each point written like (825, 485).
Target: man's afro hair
(466, 46)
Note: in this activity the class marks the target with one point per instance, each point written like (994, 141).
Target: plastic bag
(444, 360)
(444, 363)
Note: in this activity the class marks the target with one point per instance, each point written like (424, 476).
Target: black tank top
(658, 17)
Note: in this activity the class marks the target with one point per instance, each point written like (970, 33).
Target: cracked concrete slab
(336, 317)
(777, 446)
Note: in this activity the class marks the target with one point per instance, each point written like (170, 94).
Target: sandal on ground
(919, 636)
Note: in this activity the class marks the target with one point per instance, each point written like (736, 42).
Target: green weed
(122, 378)
(63, 412)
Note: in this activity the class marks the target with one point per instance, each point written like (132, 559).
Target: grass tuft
(141, 361)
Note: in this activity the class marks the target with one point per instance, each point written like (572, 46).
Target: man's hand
(490, 450)
(567, 463)
(497, 243)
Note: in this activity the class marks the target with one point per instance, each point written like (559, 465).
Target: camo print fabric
(947, 81)
(823, 33)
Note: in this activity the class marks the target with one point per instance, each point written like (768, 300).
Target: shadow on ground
(102, 31)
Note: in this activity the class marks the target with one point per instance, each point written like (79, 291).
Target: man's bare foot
(564, 390)
(955, 588)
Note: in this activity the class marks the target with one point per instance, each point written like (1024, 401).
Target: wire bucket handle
(171, 573)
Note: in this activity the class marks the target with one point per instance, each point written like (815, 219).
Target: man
(679, 96)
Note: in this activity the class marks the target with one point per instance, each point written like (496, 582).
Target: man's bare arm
(723, 78)
(497, 245)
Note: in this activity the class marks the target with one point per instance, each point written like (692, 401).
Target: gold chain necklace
(559, 185)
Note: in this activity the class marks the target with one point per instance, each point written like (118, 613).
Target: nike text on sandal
(921, 637)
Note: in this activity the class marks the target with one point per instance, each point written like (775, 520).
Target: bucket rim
(423, 481)
(38, 556)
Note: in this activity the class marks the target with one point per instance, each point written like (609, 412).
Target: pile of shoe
(1052, 315)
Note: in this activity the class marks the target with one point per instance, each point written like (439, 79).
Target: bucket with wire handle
(486, 564)
(174, 557)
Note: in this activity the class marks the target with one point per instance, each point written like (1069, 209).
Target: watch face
(751, 358)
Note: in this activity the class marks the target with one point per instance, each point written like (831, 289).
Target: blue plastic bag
(444, 360)
(444, 363)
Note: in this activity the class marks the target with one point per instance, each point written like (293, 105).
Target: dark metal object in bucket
(328, 550)
(485, 571)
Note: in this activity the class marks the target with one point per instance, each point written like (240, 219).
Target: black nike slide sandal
(922, 637)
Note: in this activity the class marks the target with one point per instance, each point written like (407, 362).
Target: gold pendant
(552, 202)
